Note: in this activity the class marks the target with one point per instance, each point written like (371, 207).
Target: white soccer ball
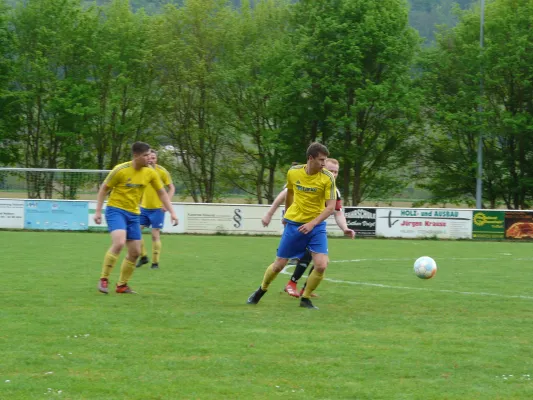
(425, 267)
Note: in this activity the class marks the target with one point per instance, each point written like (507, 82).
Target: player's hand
(266, 220)
(97, 217)
(350, 233)
(163, 208)
(306, 228)
(174, 219)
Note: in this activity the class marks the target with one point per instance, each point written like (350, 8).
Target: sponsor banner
(424, 223)
(488, 224)
(11, 214)
(55, 215)
(518, 225)
(229, 218)
(180, 213)
(361, 220)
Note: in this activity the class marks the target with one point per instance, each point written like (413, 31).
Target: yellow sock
(143, 249)
(270, 275)
(126, 271)
(110, 260)
(156, 251)
(312, 283)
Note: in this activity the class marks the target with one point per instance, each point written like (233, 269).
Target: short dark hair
(140, 147)
(315, 149)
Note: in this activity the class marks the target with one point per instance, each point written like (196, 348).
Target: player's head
(332, 166)
(141, 153)
(317, 154)
(153, 157)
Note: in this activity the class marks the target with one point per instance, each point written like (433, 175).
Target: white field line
(286, 272)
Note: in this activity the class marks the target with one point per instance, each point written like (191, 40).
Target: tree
(190, 42)
(451, 80)
(355, 92)
(257, 74)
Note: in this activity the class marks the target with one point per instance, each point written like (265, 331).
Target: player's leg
(318, 245)
(133, 244)
(270, 274)
(299, 270)
(305, 284)
(116, 225)
(157, 219)
(145, 222)
(156, 247)
(292, 245)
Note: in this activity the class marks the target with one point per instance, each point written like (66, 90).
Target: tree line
(239, 93)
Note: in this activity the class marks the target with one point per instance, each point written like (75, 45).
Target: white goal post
(47, 183)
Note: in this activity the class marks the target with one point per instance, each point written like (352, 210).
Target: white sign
(11, 214)
(424, 223)
(229, 218)
(93, 226)
(180, 213)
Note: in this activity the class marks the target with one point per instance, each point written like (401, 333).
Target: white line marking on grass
(439, 258)
(286, 272)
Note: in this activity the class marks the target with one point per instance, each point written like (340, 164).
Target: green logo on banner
(488, 225)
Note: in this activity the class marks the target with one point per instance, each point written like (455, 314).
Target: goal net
(42, 183)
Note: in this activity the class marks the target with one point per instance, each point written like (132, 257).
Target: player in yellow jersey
(310, 200)
(332, 165)
(127, 182)
(153, 212)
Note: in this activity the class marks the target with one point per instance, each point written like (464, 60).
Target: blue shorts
(154, 217)
(117, 218)
(293, 243)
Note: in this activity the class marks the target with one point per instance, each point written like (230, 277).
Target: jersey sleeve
(165, 176)
(154, 179)
(290, 184)
(330, 191)
(338, 203)
(113, 178)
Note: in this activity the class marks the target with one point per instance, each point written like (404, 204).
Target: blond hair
(333, 161)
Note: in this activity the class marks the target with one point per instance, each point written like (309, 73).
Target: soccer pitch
(380, 333)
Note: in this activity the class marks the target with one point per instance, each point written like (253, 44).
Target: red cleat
(102, 285)
(124, 289)
(312, 294)
(292, 290)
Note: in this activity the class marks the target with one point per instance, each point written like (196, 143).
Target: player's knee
(118, 245)
(134, 253)
(279, 264)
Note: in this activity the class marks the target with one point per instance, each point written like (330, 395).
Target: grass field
(380, 333)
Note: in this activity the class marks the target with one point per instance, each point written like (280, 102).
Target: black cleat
(141, 261)
(155, 266)
(306, 303)
(256, 296)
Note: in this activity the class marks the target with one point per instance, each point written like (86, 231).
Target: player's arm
(340, 219)
(278, 201)
(102, 192)
(171, 189)
(325, 214)
(163, 196)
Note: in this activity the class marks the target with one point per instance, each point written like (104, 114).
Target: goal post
(47, 183)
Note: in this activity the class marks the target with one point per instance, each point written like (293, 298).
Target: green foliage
(354, 90)
(452, 83)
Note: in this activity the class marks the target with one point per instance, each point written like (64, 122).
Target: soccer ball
(425, 267)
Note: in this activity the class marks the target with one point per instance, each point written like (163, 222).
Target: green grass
(380, 333)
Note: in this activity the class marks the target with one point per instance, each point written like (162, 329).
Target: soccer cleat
(155, 266)
(125, 289)
(102, 285)
(256, 296)
(291, 289)
(312, 294)
(306, 303)
(141, 261)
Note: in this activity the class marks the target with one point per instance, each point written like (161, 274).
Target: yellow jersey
(310, 193)
(150, 198)
(128, 184)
